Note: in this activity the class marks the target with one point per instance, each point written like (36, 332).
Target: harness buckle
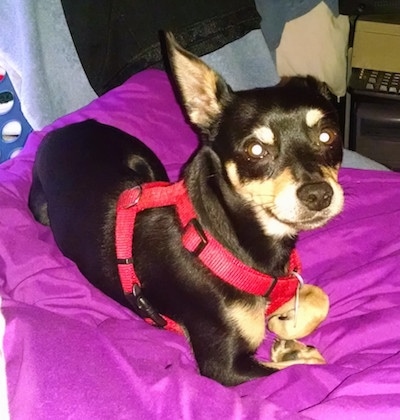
(143, 308)
(189, 239)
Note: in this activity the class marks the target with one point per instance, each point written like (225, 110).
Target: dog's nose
(316, 195)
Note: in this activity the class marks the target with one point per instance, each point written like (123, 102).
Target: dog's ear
(308, 81)
(204, 92)
(322, 87)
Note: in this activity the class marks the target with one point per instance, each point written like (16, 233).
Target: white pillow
(316, 44)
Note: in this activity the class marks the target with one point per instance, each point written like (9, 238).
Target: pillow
(316, 44)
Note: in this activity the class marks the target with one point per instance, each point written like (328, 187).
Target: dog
(215, 257)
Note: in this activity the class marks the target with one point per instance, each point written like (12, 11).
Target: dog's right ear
(204, 92)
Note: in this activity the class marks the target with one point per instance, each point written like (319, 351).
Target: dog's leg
(229, 361)
(224, 342)
(295, 320)
(286, 353)
(223, 354)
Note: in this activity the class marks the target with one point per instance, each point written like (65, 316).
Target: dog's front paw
(293, 321)
(289, 352)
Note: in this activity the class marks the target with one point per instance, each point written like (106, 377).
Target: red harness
(197, 241)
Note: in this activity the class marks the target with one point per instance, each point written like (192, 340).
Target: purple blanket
(72, 352)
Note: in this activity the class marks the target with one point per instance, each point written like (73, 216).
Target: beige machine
(377, 44)
(373, 105)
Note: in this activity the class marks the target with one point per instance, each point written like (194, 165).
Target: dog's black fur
(233, 181)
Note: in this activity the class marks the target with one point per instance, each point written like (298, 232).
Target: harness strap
(130, 203)
(197, 241)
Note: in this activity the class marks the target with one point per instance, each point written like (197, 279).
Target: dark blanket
(117, 38)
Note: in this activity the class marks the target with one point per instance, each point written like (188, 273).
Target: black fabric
(117, 38)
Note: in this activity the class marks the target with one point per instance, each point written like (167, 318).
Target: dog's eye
(256, 150)
(327, 136)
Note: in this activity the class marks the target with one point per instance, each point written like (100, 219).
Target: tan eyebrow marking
(265, 135)
(313, 116)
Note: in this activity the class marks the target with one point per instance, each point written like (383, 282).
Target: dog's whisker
(265, 206)
(213, 175)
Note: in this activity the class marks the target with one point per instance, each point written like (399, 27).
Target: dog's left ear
(322, 87)
(204, 92)
(310, 82)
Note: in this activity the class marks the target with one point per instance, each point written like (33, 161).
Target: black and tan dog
(213, 254)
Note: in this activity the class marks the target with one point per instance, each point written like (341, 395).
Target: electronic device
(380, 84)
(368, 7)
(375, 56)
(374, 86)
(377, 132)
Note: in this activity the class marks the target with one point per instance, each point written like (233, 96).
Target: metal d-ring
(297, 296)
(137, 198)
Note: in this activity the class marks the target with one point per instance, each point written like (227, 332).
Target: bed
(71, 352)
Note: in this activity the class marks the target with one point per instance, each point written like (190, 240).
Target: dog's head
(279, 148)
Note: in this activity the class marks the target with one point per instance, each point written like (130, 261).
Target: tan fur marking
(331, 176)
(250, 320)
(330, 172)
(231, 170)
(261, 195)
(313, 116)
(283, 180)
(277, 206)
(259, 192)
(312, 309)
(265, 135)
